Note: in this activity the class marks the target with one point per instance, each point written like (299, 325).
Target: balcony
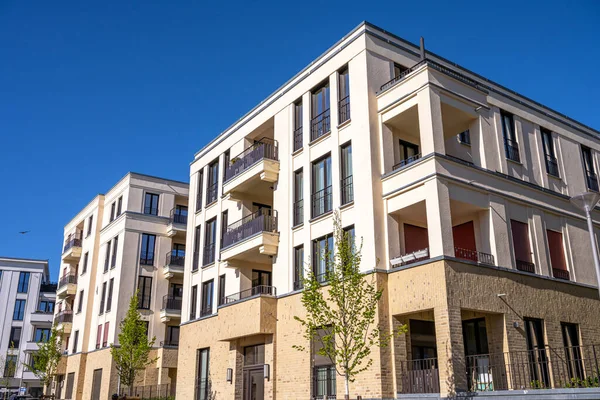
(177, 221)
(72, 247)
(174, 263)
(30, 346)
(252, 171)
(525, 266)
(171, 308)
(561, 274)
(41, 317)
(252, 237)
(406, 161)
(473, 255)
(67, 286)
(253, 312)
(64, 321)
(410, 258)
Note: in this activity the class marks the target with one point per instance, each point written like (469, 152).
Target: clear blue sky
(91, 91)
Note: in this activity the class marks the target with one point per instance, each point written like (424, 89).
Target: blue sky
(91, 90)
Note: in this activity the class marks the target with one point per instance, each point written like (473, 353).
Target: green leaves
(45, 360)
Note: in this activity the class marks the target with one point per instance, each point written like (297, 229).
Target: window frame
(154, 200)
(19, 312)
(145, 292)
(23, 284)
(147, 260)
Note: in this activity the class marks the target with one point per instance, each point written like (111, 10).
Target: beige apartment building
(132, 237)
(459, 188)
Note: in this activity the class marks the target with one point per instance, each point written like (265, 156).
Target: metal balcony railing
(206, 311)
(263, 220)
(320, 125)
(63, 317)
(592, 181)
(73, 240)
(254, 291)
(199, 201)
(474, 255)
(175, 258)
(419, 376)
(344, 109)
(208, 254)
(150, 210)
(265, 148)
(347, 188)
(169, 343)
(66, 279)
(176, 216)
(147, 258)
(511, 148)
(401, 76)
(321, 202)
(212, 191)
(552, 165)
(171, 303)
(410, 258)
(298, 138)
(298, 212)
(561, 274)
(406, 161)
(525, 266)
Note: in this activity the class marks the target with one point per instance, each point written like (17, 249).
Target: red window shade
(415, 238)
(464, 236)
(105, 342)
(520, 234)
(557, 253)
(99, 336)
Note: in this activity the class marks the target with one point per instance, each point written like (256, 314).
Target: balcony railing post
(406, 161)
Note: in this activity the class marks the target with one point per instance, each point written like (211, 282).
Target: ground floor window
(324, 377)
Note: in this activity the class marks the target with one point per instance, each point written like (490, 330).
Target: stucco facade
(130, 238)
(459, 189)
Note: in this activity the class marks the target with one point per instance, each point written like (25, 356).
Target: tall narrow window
(207, 298)
(222, 289)
(112, 211)
(349, 235)
(298, 267)
(172, 336)
(520, 234)
(114, 252)
(80, 304)
(145, 292)
(105, 341)
(193, 302)
(107, 256)
(86, 257)
(98, 336)
(147, 251)
(120, 206)
(346, 184)
(226, 162)
(23, 285)
(90, 222)
(298, 142)
(321, 186)
(202, 388)
(15, 337)
(180, 214)
(399, 70)
(75, 340)
(110, 294)
(407, 153)
(19, 311)
(549, 156)
(465, 137)
(590, 172)
(324, 371)
(224, 224)
(42, 335)
(573, 356)
(103, 298)
(196, 258)
(344, 95)
(557, 255)
(212, 189)
(322, 257)
(210, 232)
(151, 204)
(320, 122)
(298, 197)
(511, 147)
(536, 347)
(199, 190)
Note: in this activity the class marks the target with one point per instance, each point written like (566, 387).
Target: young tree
(45, 361)
(133, 352)
(340, 317)
(10, 362)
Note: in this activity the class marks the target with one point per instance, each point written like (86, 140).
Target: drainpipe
(422, 48)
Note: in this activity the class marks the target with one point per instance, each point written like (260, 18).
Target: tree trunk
(346, 387)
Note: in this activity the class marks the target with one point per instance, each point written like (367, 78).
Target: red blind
(557, 253)
(99, 336)
(105, 334)
(520, 234)
(464, 236)
(415, 238)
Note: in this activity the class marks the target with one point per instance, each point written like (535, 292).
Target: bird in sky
(24, 232)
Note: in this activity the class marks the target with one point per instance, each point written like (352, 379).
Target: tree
(45, 361)
(133, 352)
(10, 362)
(340, 317)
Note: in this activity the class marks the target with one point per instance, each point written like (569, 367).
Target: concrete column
(450, 349)
(306, 120)
(500, 238)
(387, 149)
(495, 132)
(439, 219)
(335, 143)
(430, 122)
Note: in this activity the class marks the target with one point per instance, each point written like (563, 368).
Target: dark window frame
(19, 310)
(194, 302)
(23, 285)
(208, 290)
(346, 173)
(153, 199)
(298, 267)
(145, 292)
(148, 259)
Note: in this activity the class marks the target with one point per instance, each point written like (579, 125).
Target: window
(520, 234)
(146, 327)
(224, 222)
(261, 278)
(119, 206)
(407, 153)
(549, 156)
(110, 294)
(213, 182)
(19, 311)
(112, 212)
(511, 147)
(99, 336)
(145, 292)
(86, 257)
(321, 186)
(210, 233)
(23, 285)
(105, 341)
(107, 256)
(10, 366)
(115, 247)
(172, 336)
(41, 335)
(89, 226)
(195, 260)
(222, 289)
(557, 255)
(588, 165)
(320, 123)
(298, 267)
(15, 337)
(226, 162)
(200, 181)
(202, 389)
(465, 137)
(254, 355)
(151, 204)
(298, 197)
(399, 70)
(298, 125)
(147, 251)
(193, 302)
(322, 256)
(207, 298)
(536, 346)
(573, 359)
(180, 214)
(324, 371)
(344, 95)
(349, 235)
(80, 304)
(346, 184)
(46, 306)
(75, 340)
(103, 298)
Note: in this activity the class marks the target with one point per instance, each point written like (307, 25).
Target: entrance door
(96, 384)
(479, 375)
(70, 382)
(536, 349)
(254, 383)
(59, 384)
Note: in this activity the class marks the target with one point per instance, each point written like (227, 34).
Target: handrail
(172, 303)
(265, 148)
(212, 191)
(474, 255)
(406, 161)
(254, 291)
(321, 201)
(73, 240)
(208, 254)
(511, 148)
(561, 274)
(263, 220)
(320, 125)
(344, 109)
(177, 218)
(298, 212)
(526, 266)
(401, 76)
(64, 316)
(174, 259)
(347, 188)
(298, 138)
(592, 180)
(67, 279)
(552, 165)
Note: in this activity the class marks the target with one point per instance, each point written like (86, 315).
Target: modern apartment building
(131, 238)
(26, 309)
(459, 189)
